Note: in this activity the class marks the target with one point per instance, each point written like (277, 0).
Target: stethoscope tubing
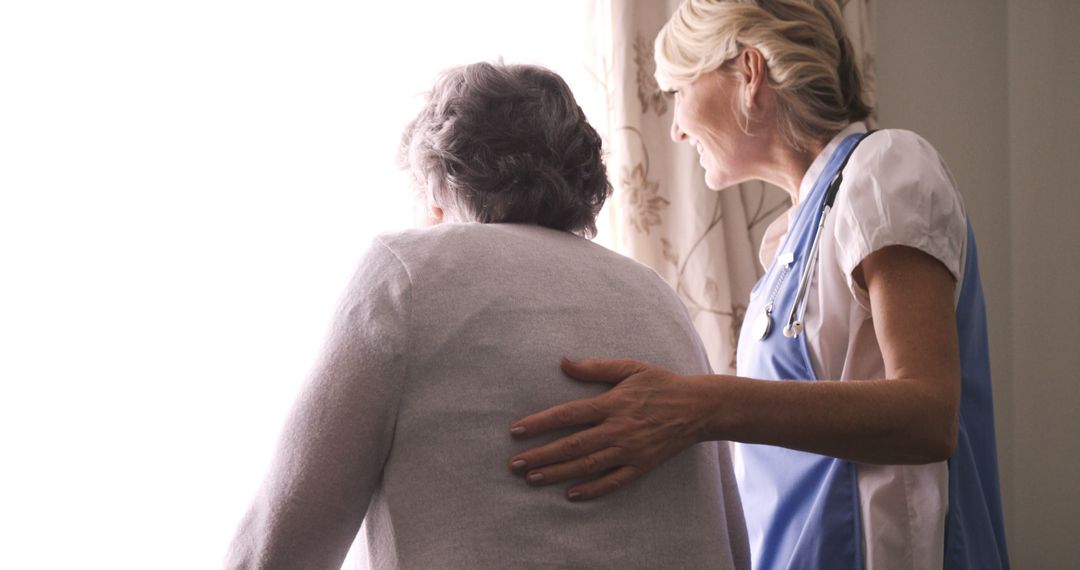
(794, 326)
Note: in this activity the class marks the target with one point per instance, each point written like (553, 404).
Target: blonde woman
(862, 404)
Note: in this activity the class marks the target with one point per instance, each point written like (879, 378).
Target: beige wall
(995, 86)
(1044, 163)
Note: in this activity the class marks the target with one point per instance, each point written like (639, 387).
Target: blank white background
(185, 188)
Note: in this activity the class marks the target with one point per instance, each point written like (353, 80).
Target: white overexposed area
(185, 188)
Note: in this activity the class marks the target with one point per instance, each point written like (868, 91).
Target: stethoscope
(794, 325)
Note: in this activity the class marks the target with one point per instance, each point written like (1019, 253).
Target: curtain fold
(703, 243)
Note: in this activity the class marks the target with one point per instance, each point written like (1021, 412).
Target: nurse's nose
(677, 133)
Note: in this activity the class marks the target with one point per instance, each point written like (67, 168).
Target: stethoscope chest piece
(763, 323)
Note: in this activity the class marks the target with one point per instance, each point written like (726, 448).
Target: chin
(716, 182)
(723, 180)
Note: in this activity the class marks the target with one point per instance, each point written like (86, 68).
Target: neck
(785, 167)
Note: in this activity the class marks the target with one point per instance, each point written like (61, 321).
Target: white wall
(993, 85)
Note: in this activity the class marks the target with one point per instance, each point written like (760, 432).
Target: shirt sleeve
(898, 191)
(331, 453)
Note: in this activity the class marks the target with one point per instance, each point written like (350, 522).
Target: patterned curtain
(703, 243)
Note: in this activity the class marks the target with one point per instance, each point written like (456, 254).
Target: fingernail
(535, 477)
(574, 495)
(518, 464)
(517, 430)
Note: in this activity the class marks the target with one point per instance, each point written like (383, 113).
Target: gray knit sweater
(444, 337)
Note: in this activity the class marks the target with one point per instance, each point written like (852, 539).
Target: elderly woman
(863, 399)
(448, 333)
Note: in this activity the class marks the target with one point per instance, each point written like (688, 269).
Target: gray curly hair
(500, 143)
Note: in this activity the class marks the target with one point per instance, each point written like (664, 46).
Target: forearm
(314, 497)
(912, 417)
(652, 414)
(282, 532)
(895, 421)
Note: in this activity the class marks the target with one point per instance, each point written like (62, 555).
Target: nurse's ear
(751, 70)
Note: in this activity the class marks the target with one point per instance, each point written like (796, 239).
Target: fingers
(579, 412)
(596, 370)
(570, 414)
(591, 465)
(578, 456)
(609, 483)
(575, 447)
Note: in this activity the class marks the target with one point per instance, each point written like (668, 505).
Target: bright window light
(185, 188)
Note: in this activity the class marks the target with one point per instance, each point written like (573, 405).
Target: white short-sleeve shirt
(896, 191)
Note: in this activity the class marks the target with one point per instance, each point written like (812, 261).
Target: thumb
(597, 370)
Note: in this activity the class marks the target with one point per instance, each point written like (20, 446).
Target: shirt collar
(822, 159)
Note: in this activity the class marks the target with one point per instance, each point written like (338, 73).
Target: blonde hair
(810, 61)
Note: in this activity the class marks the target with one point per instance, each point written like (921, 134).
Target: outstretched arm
(652, 414)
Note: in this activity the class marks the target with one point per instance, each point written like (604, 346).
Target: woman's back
(445, 336)
(493, 308)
